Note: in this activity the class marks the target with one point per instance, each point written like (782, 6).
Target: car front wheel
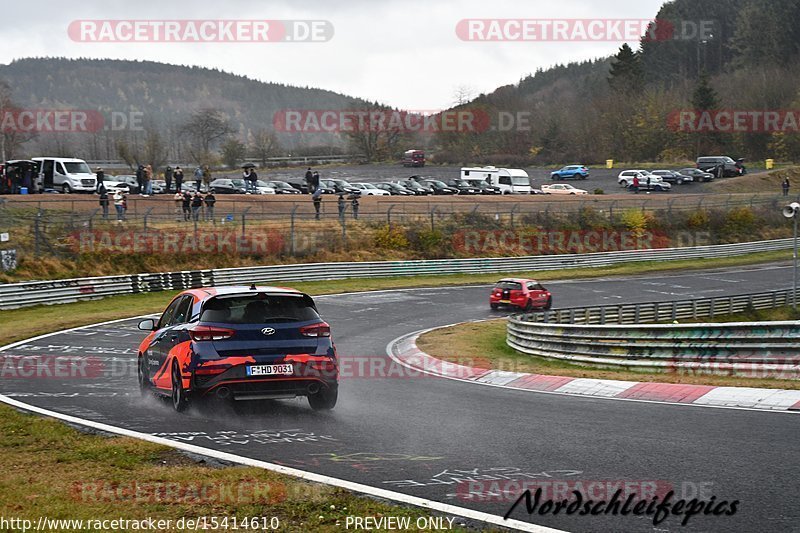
(144, 380)
(66, 188)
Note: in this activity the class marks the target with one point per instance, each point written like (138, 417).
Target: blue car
(575, 172)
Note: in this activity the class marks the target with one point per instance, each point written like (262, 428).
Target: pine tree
(626, 71)
(704, 96)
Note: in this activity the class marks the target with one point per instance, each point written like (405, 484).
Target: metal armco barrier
(13, 295)
(615, 336)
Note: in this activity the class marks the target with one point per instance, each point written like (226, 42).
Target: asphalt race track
(428, 437)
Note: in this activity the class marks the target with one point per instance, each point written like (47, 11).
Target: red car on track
(239, 343)
(525, 294)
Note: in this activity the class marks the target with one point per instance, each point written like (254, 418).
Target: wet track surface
(448, 441)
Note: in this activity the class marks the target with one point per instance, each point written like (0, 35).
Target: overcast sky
(404, 53)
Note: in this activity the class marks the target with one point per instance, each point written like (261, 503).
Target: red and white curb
(404, 350)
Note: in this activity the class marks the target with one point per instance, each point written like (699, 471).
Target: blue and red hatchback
(239, 343)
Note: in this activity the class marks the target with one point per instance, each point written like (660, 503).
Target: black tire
(494, 307)
(180, 399)
(679, 181)
(325, 399)
(66, 188)
(143, 378)
(529, 306)
(549, 303)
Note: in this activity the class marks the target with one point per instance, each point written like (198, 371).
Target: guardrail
(614, 336)
(15, 295)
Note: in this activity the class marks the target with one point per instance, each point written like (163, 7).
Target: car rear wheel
(529, 306)
(325, 399)
(180, 400)
(494, 307)
(549, 303)
(679, 181)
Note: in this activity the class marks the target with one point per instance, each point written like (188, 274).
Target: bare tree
(205, 129)
(263, 144)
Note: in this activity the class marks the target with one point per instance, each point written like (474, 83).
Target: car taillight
(210, 333)
(320, 329)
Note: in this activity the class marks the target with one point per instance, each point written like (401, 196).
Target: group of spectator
(189, 206)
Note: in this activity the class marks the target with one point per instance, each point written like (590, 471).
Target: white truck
(66, 174)
(509, 180)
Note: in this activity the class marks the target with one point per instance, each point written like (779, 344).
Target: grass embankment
(55, 471)
(19, 324)
(769, 181)
(485, 344)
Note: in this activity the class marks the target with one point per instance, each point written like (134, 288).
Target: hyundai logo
(268, 331)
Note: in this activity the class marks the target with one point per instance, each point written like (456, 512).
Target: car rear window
(258, 308)
(511, 285)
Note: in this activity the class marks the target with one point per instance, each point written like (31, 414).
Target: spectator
(178, 199)
(148, 180)
(648, 182)
(342, 206)
(197, 205)
(354, 204)
(178, 178)
(187, 205)
(207, 179)
(140, 177)
(317, 199)
(198, 178)
(785, 187)
(210, 200)
(168, 178)
(315, 180)
(27, 179)
(635, 184)
(12, 182)
(101, 176)
(310, 180)
(119, 205)
(104, 200)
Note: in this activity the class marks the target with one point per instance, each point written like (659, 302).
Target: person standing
(207, 179)
(785, 187)
(341, 205)
(168, 178)
(140, 178)
(648, 182)
(635, 184)
(104, 201)
(354, 205)
(210, 200)
(101, 176)
(316, 198)
(310, 180)
(186, 205)
(119, 205)
(178, 179)
(253, 180)
(315, 180)
(198, 178)
(178, 199)
(197, 205)
(148, 180)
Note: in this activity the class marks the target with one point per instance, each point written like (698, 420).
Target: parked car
(394, 189)
(113, 186)
(439, 187)
(238, 344)
(524, 294)
(301, 186)
(647, 181)
(574, 172)
(18, 168)
(419, 189)
(368, 189)
(263, 187)
(672, 176)
(625, 178)
(227, 186)
(721, 166)
(339, 186)
(696, 174)
(159, 186)
(281, 187)
(66, 174)
(562, 188)
(464, 187)
(128, 179)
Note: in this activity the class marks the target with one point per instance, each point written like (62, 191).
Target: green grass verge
(484, 345)
(52, 470)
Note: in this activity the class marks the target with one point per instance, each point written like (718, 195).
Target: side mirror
(147, 324)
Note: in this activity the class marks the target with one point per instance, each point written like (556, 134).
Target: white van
(509, 180)
(66, 174)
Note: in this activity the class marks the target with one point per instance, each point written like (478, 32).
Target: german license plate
(505, 301)
(270, 370)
